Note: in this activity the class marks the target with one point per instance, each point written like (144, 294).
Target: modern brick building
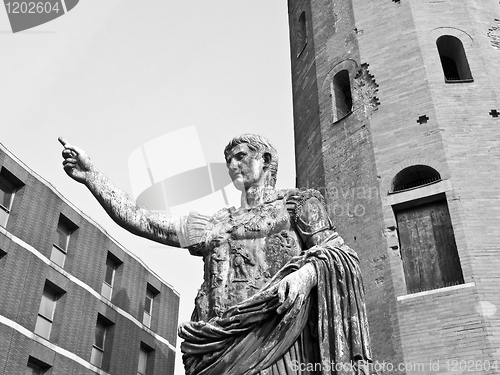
(72, 300)
(396, 111)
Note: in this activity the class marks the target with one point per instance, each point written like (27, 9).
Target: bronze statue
(282, 293)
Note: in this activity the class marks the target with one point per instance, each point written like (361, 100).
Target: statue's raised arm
(120, 206)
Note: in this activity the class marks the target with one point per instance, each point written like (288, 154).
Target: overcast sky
(112, 75)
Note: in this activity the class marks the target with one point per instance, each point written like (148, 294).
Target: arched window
(426, 237)
(413, 177)
(342, 97)
(453, 59)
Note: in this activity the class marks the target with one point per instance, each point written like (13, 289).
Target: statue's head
(262, 148)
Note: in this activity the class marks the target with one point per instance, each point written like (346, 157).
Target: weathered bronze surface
(282, 293)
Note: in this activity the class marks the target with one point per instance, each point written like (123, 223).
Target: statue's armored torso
(243, 249)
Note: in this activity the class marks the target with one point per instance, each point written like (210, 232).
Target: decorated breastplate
(242, 251)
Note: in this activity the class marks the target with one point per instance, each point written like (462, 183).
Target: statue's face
(246, 167)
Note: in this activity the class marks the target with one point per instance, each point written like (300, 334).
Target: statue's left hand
(295, 288)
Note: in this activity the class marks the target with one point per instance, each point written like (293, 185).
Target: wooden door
(428, 248)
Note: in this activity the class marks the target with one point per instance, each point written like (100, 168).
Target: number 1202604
(32, 7)
(471, 365)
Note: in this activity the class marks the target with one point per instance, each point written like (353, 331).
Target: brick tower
(396, 111)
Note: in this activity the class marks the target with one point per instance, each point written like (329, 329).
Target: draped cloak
(328, 334)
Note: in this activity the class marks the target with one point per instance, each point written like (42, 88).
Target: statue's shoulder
(299, 196)
(295, 199)
(198, 228)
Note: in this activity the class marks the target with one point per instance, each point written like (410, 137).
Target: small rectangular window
(61, 241)
(151, 293)
(33, 370)
(9, 184)
(148, 309)
(46, 311)
(3, 260)
(6, 199)
(101, 342)
(112, 264)
(143, 362)
(145, 365)
(107, 285)
(36, 367)
(62, 236)
(110, 272)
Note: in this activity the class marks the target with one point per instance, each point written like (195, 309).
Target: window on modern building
(2, 255)
(151, 293)
(112, 263)
(99, 341)
(414, 177)
(9, 184)
(36, 367)
(301, 33)
(102, 343)
(143, 362)
(61, 240)
(148, 309)
(341, 93)
(46, 311)
(146, 360)
(453, 59)
(33, 370)
(2, 259)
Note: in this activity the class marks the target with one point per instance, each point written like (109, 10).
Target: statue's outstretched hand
(295, 288)
(76, 162)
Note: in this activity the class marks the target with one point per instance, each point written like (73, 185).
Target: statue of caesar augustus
(282, 293)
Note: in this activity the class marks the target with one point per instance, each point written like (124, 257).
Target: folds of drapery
(251, 336)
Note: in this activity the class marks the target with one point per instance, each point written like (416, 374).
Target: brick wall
(362, 153)
(308, 158)
(350, 181)
(25, 267)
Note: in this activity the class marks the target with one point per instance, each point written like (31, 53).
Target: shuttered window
(428, 248)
